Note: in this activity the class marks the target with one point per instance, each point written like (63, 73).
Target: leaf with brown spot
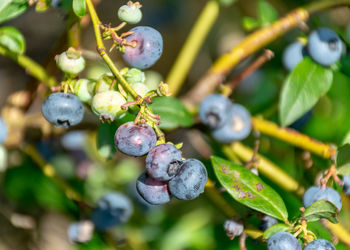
(249, 189)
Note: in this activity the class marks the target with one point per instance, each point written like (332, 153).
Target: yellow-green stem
(192, 45)
(31, 67)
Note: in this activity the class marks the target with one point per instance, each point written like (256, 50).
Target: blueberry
(267, 222)
(104, 83)
(108, 104)
(63, 109)
(153, 191)
(283, 241)
(346, 179)
(213, 110)
(163, 162)
(153, 79)
(135, 140)
(233, 228)
(236, 127)
(112, 209)
(74, 140)
(3, 131)
(190, 181)
(293, 55)
(316, 193)
(130, 13)
(80, 231)
(71, 62)
(324, 46)
(135, 76)
(320, 244)
(148, 50)
(84, 89)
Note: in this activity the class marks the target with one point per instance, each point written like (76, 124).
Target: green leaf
(274, 229)
(248, 189)
(249, 23)
(79, 7)
(302, 89)
(267, 13)
(12, 8)
(321, 209)
(172, 112)
(12, 39)
(342, 159)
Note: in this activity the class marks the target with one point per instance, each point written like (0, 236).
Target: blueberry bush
(125, 126)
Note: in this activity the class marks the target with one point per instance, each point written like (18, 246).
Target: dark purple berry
(163, 162)
(190, 181)
(63, 109)
(148, 50)
(153, 191)
(135, 140)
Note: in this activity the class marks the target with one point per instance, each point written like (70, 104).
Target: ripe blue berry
(213, 110)
(3, 131)
(293, 55)
(112, 209)
(74, 140)
(163, 162)
(346, 180)
(80, 231)
(130, 13)
(267, 222)
(135, 140)
(324, 46)
(148, 49)
(108, 104)
(233, 228)
(237, 125)
(320, 244)
(63, 109)
(190, 181)
(71, 62)
(84, 90)
(283, 241)
(153, 191)
(316, 193)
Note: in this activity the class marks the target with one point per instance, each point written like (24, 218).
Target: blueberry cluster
(324, 46)
(229, 122)
(167, 174)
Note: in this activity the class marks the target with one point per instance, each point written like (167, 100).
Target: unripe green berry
(140, 88)
(135, 76)
(130, 13)
(153, 79)
(84, 90)
(108, 103)
(71, 62)
(104, 83)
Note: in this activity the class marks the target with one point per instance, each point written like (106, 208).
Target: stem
(192, 45)
(50, 172)
(251, 44)
(293, 137)
(31, 67)
(102, 50)
(262, 59)
(338, 230)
